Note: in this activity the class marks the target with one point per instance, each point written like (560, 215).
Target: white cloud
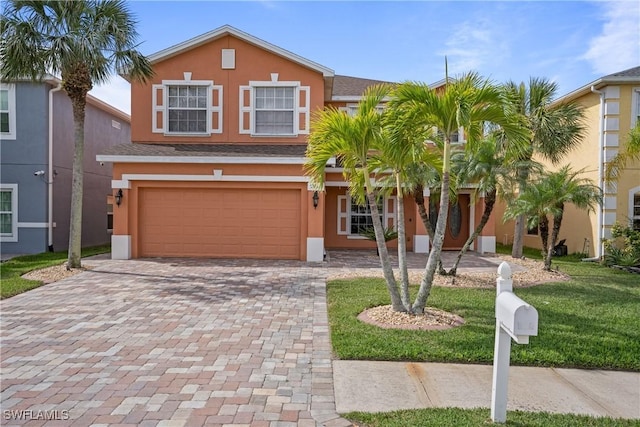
(472, 45)
(617, 47)
(116, 93)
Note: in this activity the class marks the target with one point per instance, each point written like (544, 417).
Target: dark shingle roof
(206, 150)
(631, 72)
(352, 86)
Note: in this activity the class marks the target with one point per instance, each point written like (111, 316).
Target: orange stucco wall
(333, 240)
(204, 62)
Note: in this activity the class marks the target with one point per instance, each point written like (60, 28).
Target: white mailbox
(517, 318)
(514, 319)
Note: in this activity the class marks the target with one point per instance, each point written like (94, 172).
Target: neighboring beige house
(612, 108)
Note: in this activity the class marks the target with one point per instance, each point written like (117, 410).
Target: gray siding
(28, 153)
(20, 159)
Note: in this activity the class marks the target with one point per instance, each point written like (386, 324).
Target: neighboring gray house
(36, 151)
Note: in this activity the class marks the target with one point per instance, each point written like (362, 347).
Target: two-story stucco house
(36, 129)
(215, 168)
(612, 108)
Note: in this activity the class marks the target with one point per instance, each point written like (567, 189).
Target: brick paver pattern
(170, 343)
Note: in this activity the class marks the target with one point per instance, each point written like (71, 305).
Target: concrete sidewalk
(387, 386)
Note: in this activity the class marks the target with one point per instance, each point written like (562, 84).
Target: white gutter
(599, 246)
(50, 169)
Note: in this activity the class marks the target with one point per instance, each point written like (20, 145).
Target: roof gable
(628, 76)
(229, 30)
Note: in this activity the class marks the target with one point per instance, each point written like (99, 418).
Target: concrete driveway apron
(171, 343)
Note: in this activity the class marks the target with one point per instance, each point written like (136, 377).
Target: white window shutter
(246, 110)
(215, 109)
(343, 215)
(390, 205)
(304, 98)
(158, 109)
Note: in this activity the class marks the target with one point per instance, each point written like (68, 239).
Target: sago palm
(83, 42)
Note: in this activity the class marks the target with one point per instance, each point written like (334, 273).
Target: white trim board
(216, 177)
(202, 159)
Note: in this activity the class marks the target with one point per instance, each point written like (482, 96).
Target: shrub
(624, 246)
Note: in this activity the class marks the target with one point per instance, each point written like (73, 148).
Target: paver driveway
(171, 342)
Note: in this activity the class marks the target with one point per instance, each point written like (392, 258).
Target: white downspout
(599, 246)
(50, 169)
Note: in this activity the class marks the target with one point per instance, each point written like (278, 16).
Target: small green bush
(624, 246)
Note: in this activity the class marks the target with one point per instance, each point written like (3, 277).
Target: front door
(457, 230)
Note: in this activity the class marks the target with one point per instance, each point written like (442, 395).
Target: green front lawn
(10, 271)
(438, 417)
(590, 321)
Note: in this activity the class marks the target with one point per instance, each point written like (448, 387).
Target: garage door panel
(220, 223)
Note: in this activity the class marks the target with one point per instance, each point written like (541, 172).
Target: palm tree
(556, 130)
(354, 140)
(469, 102)
(629, 153)
(490, 168)
(546, 198)
(83, 42)
(402, 152)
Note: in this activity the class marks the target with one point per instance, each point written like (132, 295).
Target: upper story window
(187, 107)
(8, 111)
(274, 108)
(635, 114)
(8, 213)
(352, 109)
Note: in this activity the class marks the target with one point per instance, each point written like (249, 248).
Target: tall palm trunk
(557, 222)
(402, 245)
(438, 238)
(489, 203)
(543, 228)
(518, 230)
(426, 220)
(396, 301)
(77, 83)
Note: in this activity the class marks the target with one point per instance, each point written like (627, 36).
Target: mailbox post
(517, 320)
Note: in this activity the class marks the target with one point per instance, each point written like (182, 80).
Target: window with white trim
(187, 107)
(8, 111)
(635, 106)
(352, 109)
(8, 212)
(635, 219)
(274, 109)
(354, 218)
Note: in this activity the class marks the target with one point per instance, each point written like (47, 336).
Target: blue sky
(570, 42)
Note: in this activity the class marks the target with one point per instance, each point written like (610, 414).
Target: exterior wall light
(316, 198)
(119, 196)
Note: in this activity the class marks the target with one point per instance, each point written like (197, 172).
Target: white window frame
(387, 215)
(13, 236)
(11, 95)
(163, 126)
(299, 93)
(635, 106)
(632, 193)
(352, 108)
